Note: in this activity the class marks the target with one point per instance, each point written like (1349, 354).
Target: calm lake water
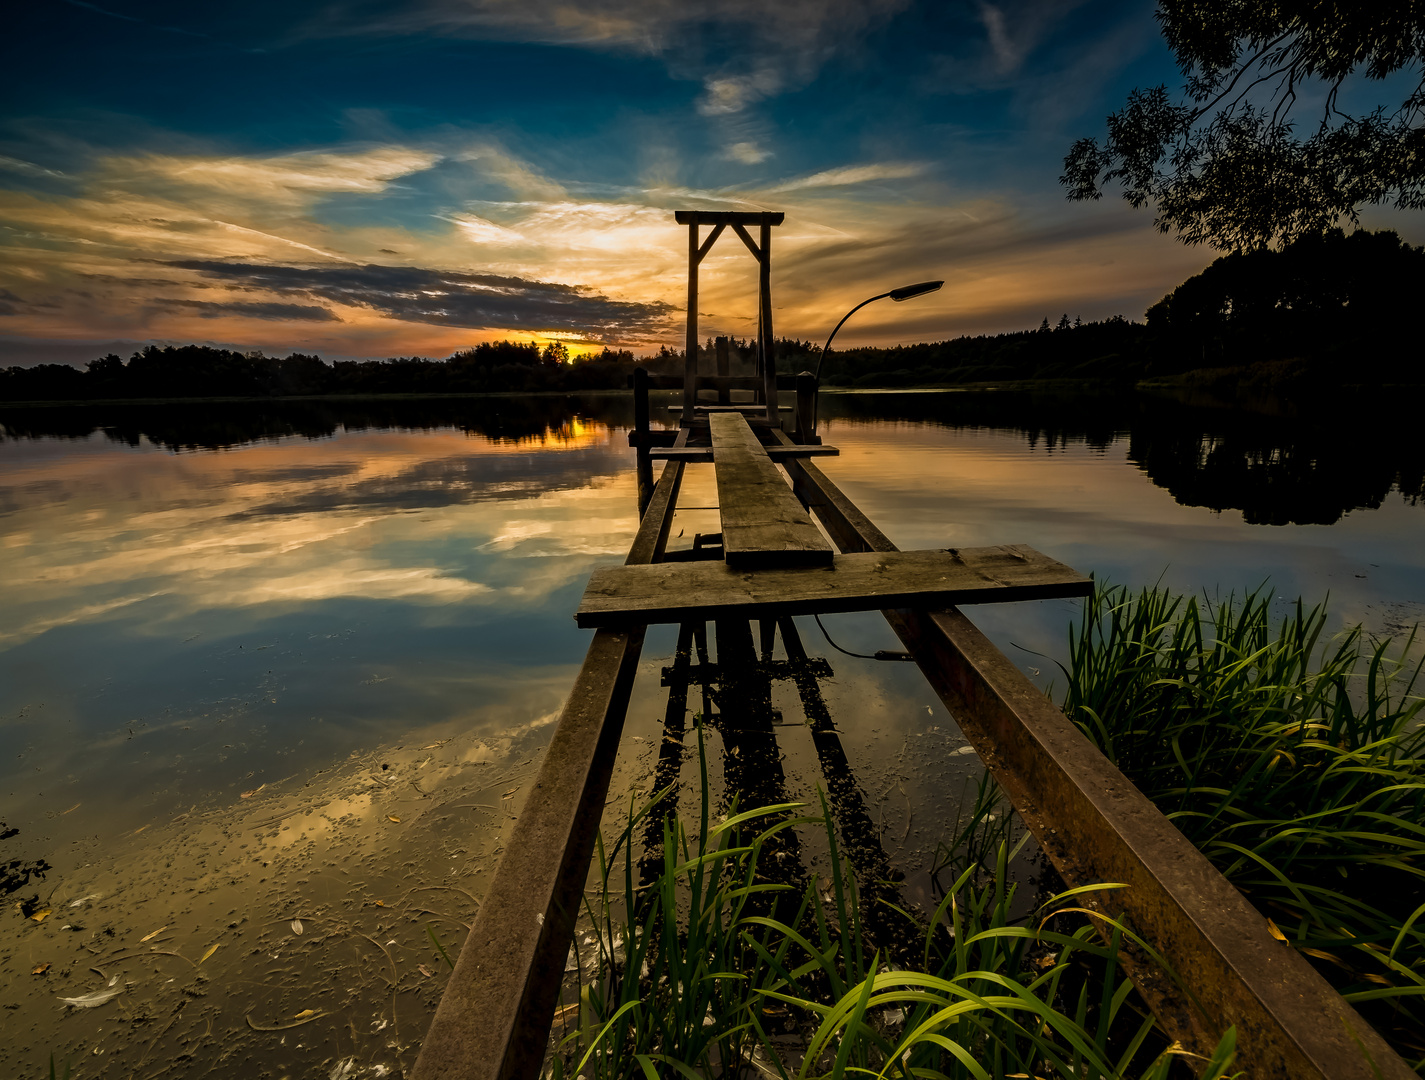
(273, 679)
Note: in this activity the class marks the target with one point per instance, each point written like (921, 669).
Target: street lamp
(905, 292)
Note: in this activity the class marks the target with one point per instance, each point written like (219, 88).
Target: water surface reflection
(262, 666)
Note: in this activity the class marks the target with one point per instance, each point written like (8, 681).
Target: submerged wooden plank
(675, 592)
(1095, 826)
(763, 525)
(494, 1016)
(704, 454)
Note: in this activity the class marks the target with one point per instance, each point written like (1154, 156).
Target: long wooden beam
(494, 1017)
(863, 581)
(1097, 827)
(704, 454)
(763, 525)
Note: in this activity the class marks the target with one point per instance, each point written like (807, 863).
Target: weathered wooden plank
(664, 592)
(753, 410)
(704, 454)
(763, 525)
(494, 1016)
(728, 217)
(1095, 826)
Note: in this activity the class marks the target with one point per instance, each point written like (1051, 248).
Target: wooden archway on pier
(762, 252)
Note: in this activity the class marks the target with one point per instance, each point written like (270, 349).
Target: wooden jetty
(772, 562)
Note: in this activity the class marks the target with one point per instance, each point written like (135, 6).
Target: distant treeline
(200, 371)
(1324, 310)
(1339, 307)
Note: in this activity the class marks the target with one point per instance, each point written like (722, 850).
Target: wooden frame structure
(494, 1018)
(762, 252)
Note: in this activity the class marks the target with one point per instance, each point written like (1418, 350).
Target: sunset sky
(366, 178)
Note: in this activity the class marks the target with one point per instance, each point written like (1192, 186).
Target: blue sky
(376, 179)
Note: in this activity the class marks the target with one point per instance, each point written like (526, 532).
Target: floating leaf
(211, 950)
(379, 903)
(283, 1027)
(507, 794)
(98, 997)
(150, 937)
(427, 972)
(432, 745)
(40, 970)
(140, 829)
(296, 926)
(39, 916)
(393, 817)
(304, 1014)
(254, 791)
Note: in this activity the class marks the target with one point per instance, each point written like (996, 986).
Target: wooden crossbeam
(694, 454)
(763, 524)
(729, 217)
(866, 581)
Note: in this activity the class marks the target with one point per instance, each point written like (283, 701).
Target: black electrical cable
(879, 654)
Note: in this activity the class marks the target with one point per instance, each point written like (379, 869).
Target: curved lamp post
(905, 292)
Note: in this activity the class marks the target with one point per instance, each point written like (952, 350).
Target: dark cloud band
(476, 301)
(206, 309)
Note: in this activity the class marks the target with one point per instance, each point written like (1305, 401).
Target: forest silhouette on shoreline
(1321, 312)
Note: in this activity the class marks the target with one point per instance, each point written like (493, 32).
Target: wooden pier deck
(775, 562)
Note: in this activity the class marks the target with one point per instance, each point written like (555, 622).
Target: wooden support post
(805, 431)
(1095, 826)
(644, 467)
(764, 293)
(767, 634)
(724, 370)
(690, 361)
(494, 1017)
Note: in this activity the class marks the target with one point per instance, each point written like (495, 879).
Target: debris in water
(98, 997)
(85, 899)
(150, 937)
(39, 916)
(40, 970)
(427, 972)
(342, 1069)
(304, 1014)
(284, 1027)
(393, 817)
(1276, 933)
(211, 950)
(71, 810)
(254, 791)
(296, 926)
(507, 794)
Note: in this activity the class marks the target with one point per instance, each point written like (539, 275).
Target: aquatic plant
(715, 970)
(1295, 760)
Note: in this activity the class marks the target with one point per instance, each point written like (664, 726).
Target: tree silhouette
(1225, 166)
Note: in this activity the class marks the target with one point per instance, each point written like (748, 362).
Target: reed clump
(716, 970)
(1294, 759)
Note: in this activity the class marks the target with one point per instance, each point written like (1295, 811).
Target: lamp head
(908, 291)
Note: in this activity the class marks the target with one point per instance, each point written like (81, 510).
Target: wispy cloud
(278, 179)
(742, 51)
(848, 175)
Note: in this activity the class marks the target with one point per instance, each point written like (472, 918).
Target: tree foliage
(1346, 301)
(1226, 164)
